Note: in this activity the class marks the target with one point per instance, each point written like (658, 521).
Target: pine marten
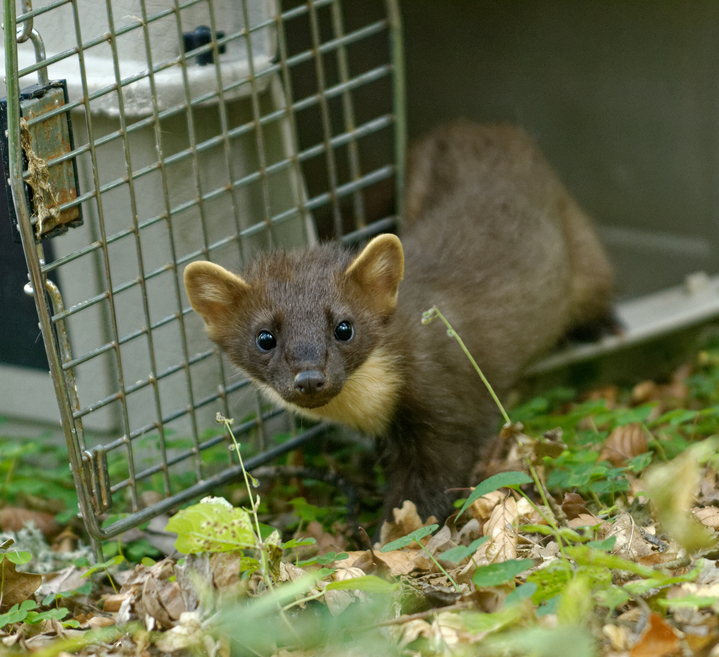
(491, 237)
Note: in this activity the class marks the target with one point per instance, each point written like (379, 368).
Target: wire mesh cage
(144, 134)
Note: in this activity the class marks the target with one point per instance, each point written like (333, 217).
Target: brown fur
(492, 238)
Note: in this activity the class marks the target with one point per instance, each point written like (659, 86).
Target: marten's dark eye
(265, 341)
(344, 331)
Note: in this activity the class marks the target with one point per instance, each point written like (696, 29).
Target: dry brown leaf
(585, 520)
(405, 521)
(13, 519)
(99, 621)
(623, 443)
(630, 544)
(337, 601)
(500, 527)
(113, 601)
(573, 505)
(608, 393)
(68, 579)
(66, 541)
(707, 515)
(618, 636)
(289, 572)
(672, 488)
(399, 562)
(483, 506)
(658, 639)
(324, 541)
(161, 596)
(16, 586)
(225, 569)
(708, 488)
(645, 391)
(413, 630)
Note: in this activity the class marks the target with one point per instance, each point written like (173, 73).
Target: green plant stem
(253, 507)
(549, 519)
(264, 566)
(433, 312)
(307, 598)
(439, 565)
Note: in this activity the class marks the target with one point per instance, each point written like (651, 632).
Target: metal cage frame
(97, 490)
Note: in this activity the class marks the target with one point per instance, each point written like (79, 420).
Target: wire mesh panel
(193, 129)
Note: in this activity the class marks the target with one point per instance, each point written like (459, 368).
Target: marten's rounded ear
(213, 291)
(378, 270)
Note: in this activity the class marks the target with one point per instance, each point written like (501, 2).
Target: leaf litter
(595, 536)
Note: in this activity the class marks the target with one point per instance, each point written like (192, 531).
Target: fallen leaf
(618, 636)
(658, 639)
(399, 562)
(623, 443)
(16, 586)
(338, 600)
(13, 519)
(68, 579)
(482, 507)
(188, 633)
(500, 527)
(645, 391)
(585, 520)
(573, 505)
(405, 521)
(161, 596)
(630, 543)
(113, 601)
(707, 515)
(672, 487)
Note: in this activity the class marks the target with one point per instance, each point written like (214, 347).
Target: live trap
(143, 135)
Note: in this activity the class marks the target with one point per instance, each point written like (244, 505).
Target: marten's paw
(596, 329)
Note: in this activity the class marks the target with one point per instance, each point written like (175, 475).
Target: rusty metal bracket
(49, 184)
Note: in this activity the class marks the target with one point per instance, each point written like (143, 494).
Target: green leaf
(606, 545)
(611, 596)
(298, 542)
(370, 583)
(323, 559)
(56, 613)
(692, 601)
(114, 561)
(521, 593)
(416, 535)
(480, 623)
(249, 565)
(461, 552)
(544, 642)
(500, 480)
(212, 527)
(17, 613)
(587, 556)
(18, 558)
(495, 574)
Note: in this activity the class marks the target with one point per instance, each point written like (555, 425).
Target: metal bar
(33, 257)
(179, 315)
(399, 104)
(197, 180)
(202, 487)
(207, 144)
(366, 129)
(330, 161)
(259, 135)
(353, 156)
(104, 253)
(134, 211)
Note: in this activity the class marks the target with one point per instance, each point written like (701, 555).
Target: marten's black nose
(309, 381)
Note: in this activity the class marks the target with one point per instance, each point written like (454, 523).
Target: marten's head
(309, 326)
